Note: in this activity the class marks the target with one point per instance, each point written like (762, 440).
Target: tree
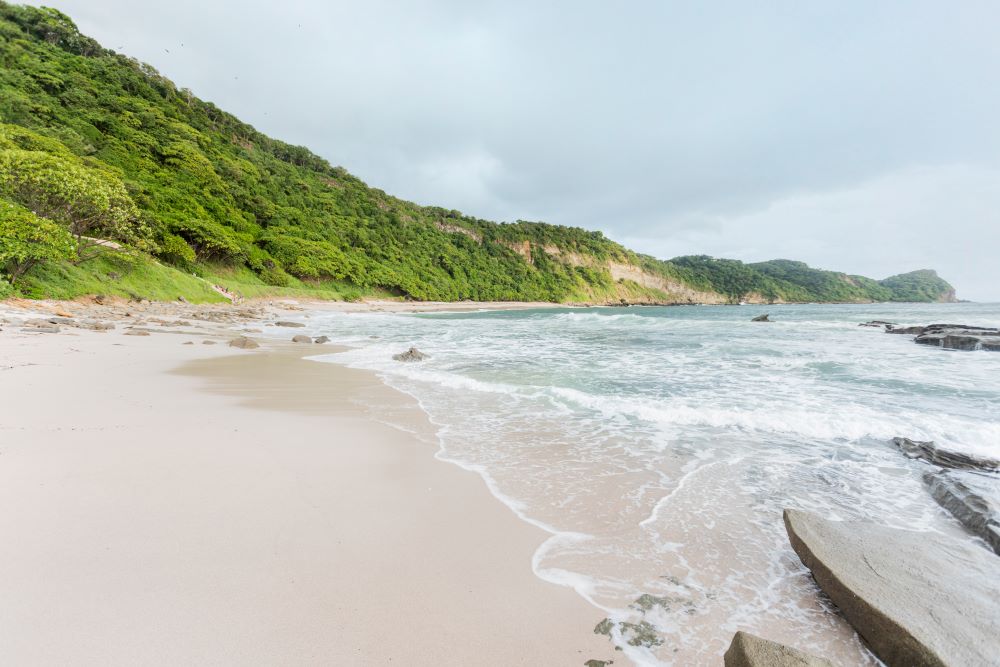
(26, 239)
(89, 202)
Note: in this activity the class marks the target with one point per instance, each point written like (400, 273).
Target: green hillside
(96, 145)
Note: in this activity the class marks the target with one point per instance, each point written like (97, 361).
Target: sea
(658, 447)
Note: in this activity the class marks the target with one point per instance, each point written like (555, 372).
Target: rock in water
(928, 451)
(960, 337)
(413, 354)
(284, 323)
(243, 343)
(322, 339)
(971, 498)
(918, 599)
(301, 338)
(749, 650)
(762, 318)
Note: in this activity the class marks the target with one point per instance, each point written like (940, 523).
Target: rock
(747, 650)
(190, 342)
(284, 323)
(881, 324)
(301, 339)
(928, 451)
(136, 332)
(972, 498)
(94, 325)
(243, 343)
(905, 330)
(960, 337)
(37, 328)
(762, 318)
(918, 599)
(208, 342)
(413, 354)
(322, 339)
(182, 299)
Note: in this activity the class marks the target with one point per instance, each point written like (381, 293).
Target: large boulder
(973, 499)
(413, 354)
(747, 650)
(762, 318)
(918, 599)
(930, 452)
(301, 338)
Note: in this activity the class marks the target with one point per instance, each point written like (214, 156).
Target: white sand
(243, 510)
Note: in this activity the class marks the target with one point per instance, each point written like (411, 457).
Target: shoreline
(157, 517)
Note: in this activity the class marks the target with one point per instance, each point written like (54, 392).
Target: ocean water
(658, 447)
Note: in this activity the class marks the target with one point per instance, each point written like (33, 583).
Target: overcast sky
(853, 135)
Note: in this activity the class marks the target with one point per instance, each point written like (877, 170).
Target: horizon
(883, 177)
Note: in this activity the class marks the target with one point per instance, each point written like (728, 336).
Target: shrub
(26, 239)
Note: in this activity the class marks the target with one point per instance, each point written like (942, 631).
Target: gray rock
(747, 650)
(972, 498)
(243, 343)
(912, 331)
(190, 342)
(918, 599)
(208, 342)
(960, 337)
(94, 325)
(322, 339)
(762, 318)
(39, 328)
(928, 451)
(284, 323)
(136, 332)
(301, 338)
(413, 354)
(878, 324)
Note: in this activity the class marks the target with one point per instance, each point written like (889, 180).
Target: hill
(96, 145)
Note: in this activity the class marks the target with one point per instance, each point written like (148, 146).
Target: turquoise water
(659, 446)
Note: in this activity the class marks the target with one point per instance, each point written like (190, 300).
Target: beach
(164, 503)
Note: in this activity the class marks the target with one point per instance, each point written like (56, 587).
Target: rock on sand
(749, 650)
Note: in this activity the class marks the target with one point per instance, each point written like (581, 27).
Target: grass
(244, 282)
(113, 273)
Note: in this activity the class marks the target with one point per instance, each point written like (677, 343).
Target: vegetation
(922, 285)
(104, 147)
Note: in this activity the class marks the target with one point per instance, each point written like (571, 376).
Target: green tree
(26, 240)
(88, 201)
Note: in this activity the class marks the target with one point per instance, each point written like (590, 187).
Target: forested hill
(96, 145)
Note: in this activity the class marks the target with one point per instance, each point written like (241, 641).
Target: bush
(26, 240)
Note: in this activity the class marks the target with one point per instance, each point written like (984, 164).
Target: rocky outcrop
(910, 331)
(413, 354)
(877, 324)
(747, 650)
(930, 452)
(973, 499)
(952, 336)
(244, 343)
(762, 318)
(918, 599)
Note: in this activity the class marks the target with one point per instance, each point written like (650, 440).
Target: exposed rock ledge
(918, 599)
(973, 499)
(951, 336)
(930, 452)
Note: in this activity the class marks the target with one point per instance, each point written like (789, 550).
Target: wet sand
(165, 504)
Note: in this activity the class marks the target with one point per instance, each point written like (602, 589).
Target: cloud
(726, 128)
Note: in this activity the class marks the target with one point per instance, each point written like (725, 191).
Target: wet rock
(920, 599)
(413, 354)
(762, 318)
(912, 331)
(301, 339)
(928, 451)
(973, 499)
(190, 342)
(960, 337)
(322, 339)
(243, 343)
(208, 342)
(879, 324)
(284, 323)
(747, 650)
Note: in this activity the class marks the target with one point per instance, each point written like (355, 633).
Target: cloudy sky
(854, 135)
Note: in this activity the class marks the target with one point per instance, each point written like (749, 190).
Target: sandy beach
(164, 503)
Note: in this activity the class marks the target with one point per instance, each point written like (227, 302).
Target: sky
(853, 135)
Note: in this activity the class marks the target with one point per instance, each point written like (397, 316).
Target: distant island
(115, 181)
